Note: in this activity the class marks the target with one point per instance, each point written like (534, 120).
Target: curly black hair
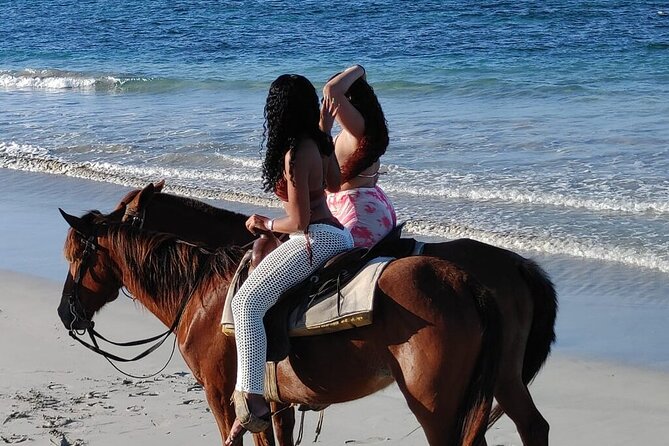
(374, 143)
(292, 112)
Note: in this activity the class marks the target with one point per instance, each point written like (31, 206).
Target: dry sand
(53, 391)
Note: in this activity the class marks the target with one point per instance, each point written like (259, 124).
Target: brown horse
(435, 333)
(524, 293)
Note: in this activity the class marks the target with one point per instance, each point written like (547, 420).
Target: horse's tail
(475, 409)
(542, 330)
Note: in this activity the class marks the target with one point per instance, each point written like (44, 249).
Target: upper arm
(349, 117)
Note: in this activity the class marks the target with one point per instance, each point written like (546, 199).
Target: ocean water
(536, 126)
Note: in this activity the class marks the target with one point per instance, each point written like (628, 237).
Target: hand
(257, 223)
(329, 111)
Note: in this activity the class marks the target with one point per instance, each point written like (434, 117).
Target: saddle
(337, 296)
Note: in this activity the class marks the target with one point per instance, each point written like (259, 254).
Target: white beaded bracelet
(270, 224)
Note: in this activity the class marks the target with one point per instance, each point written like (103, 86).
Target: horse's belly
(335, 383)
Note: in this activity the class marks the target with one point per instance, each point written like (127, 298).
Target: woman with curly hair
(360, 204)
(299, 165)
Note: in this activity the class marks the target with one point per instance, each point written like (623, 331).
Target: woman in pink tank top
(360, 205)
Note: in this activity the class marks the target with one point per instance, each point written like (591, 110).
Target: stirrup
(247, 419)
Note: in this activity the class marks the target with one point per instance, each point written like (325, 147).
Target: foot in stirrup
(246, 419)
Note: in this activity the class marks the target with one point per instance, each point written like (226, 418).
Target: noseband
(76, 308)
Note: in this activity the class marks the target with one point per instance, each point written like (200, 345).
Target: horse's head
(92, 279)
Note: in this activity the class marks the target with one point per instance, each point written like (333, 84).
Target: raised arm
(346, 114)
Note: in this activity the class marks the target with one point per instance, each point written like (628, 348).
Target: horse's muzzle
(70, 318)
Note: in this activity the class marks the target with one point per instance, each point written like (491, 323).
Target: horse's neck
(158, 305)
(222, 227)
(208, 292)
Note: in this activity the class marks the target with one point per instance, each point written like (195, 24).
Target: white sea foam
(32, 159)
(539, 198)
(194, 183)
(452, 188)
(542, 245)
(47, 79)
(242, 162)
(25, 150)
(180, 173)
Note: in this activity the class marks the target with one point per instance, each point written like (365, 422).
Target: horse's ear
(159, 185)
(127, 199)
(76, 223)
(117, 214)
(145, 195)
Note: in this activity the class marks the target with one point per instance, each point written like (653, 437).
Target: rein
(75, 303)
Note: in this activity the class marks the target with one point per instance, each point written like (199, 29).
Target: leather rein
(91, 246)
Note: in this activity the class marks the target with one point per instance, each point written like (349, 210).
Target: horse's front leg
(264, 438)
(222, 410)
(224, 414)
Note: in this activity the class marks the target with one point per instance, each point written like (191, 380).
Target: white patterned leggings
(283, 268)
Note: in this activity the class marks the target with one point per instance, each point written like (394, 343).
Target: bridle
(135, 219)
(76, 308)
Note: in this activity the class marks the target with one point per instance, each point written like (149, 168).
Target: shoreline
(607, 311)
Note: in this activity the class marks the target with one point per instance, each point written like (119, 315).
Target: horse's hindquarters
(419, 324)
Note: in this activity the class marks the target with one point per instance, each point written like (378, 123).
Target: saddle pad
(351, 307)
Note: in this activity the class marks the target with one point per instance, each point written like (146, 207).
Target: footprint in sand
(58, 421)
(16, 416)
(14, 438)
(191, 401)
(62, 440)
(143, 393)
(98, 395)
(370, 440)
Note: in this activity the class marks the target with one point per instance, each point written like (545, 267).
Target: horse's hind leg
(435, 416)
(515, 399)
(433, 391)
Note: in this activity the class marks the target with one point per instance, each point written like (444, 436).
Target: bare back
(306, 197)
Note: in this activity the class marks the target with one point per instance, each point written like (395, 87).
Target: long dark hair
(292, 112)
(374, 143)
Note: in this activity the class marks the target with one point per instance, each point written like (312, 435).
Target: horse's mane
(161, 264)
(199, 206)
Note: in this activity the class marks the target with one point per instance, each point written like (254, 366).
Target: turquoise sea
(542, 126)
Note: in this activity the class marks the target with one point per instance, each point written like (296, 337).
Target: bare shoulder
(307, 150)
(307, 154)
